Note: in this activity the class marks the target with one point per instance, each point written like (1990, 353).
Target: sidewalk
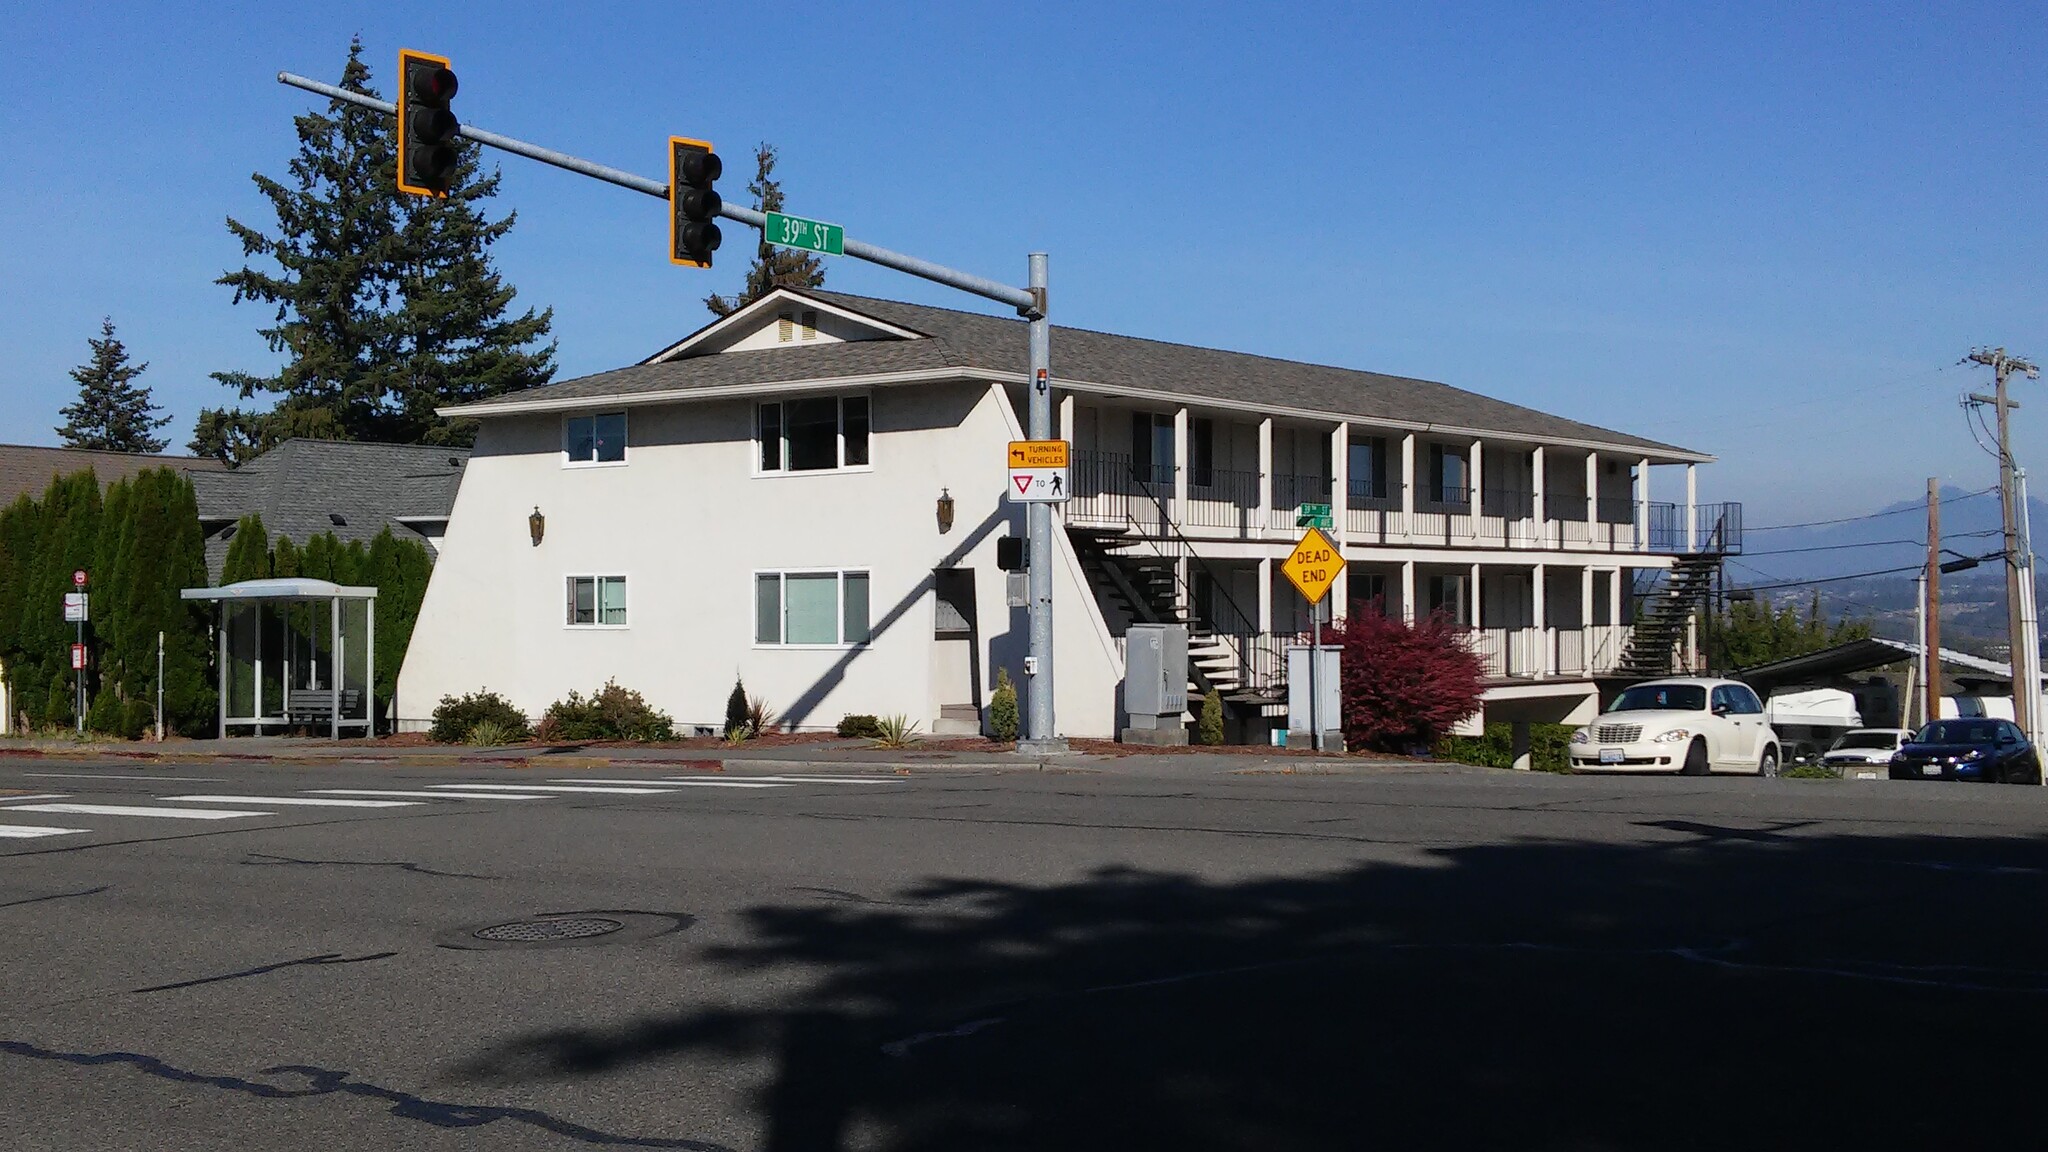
(858, 755)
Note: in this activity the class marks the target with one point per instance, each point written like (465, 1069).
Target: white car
(1689, 726)
(1865, 748)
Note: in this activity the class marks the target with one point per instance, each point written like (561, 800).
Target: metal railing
(1714, 528)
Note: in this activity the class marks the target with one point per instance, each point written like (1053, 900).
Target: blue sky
(1765, 231)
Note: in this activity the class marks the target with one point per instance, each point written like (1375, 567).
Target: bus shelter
(295, 653)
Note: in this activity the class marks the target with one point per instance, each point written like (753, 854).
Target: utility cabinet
(1156, 683)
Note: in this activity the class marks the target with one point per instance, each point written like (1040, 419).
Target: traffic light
(427, 156)
(693, 203)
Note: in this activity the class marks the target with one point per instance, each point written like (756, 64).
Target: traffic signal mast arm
(1029, 304)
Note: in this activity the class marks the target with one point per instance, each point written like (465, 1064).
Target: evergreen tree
(163, 552)
(386, 305)
(774, 267)
(113, 413)
(248, 555)
(398, 569)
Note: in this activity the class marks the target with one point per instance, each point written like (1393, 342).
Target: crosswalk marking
(422, 795)
(554, 788)
(304, 801)
(675, 782)
(30, 832)
(124, 810)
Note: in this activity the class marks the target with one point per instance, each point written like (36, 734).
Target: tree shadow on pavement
(1705, 987)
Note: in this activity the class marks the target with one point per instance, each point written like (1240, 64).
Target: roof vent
(335, 519)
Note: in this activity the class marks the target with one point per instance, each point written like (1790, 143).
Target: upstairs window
(1366, 467)
(1449, 479)
(813, 434)
(595, 439)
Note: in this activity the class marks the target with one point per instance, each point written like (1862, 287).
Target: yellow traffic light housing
(427, 128)
(693, 203)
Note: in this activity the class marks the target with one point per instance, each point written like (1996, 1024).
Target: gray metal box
(1156, 669)
(1329, 696)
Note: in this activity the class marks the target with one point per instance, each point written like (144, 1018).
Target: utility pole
(2026, 675)
(1932, 611)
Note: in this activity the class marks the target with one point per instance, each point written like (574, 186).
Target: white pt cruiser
(1692, 727)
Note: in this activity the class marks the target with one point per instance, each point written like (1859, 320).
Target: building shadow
(1689, 990)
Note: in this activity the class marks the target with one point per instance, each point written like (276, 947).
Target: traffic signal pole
(1029, 302)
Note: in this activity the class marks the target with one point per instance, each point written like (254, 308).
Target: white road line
(121, 776)
(663, 791)
(303, 801)
(674, 782)
(30, 832)
(37, 796)
(423, 795)
(810, 779)
(120, 810)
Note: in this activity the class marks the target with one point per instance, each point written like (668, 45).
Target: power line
(1831, 579)
(1867, 515)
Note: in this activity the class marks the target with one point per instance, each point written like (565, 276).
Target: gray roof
(976, 343)
(28, 469)
(302, 487)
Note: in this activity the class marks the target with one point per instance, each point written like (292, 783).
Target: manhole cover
(542, 931)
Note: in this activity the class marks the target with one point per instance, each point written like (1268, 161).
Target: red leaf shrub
(1404, 685)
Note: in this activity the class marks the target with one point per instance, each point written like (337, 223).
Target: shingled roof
(302, 488)
(27, 469)
(978, 345)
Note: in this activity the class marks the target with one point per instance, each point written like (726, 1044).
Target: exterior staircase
(1136, 587)
(1660, 626)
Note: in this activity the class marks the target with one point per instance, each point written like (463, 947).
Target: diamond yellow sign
(1313, 565)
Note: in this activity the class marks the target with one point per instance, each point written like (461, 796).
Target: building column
(1067, 419)
(1475, 475)
(1539, 581)
(1642, 504)
(1592, 492)
(1408, 482)
(1340, 514)
(1180, 465)
(1586, 652)
(1540, 514)
(1265, 475)
(1265, 594)
(1408, 615)
(1523, 743)
(1614, 598)
(1692, 496)
(1472, 598)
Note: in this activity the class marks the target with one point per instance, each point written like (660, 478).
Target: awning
(288, 588)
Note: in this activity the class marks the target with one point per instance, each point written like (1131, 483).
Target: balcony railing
(1112, 490)
(1535, 653)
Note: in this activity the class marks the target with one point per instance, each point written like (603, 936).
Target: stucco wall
(688, 522)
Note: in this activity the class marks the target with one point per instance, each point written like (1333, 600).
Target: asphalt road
(1133, 958)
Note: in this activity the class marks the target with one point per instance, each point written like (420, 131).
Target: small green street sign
(1314, 516)
(797, 232)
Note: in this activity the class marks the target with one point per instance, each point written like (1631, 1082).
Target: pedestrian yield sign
(1038, 471)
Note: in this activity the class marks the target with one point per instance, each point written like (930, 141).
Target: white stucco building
(763, 500)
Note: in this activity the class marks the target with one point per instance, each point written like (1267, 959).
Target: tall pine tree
(385, 306)
(113, 413)
(773, 267)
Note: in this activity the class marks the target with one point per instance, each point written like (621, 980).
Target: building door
(956, 691)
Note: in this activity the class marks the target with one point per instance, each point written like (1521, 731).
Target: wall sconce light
(945, 511)
(536, 526)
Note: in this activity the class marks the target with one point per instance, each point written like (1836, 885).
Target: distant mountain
(1894, 537)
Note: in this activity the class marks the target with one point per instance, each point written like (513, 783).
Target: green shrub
(736, 709)
(1002, 708)
(1209, 724)
(138, 719)
(859, 726)
(1550, 747)
(610, 713)
(897, 732)
(759, 718)
(1811, 772)
(490, 734)
(105, 714)
(455, 716)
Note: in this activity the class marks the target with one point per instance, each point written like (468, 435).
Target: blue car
(1987, 751)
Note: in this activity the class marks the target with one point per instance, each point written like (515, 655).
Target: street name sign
(797, 232)
(1313, 565)
(1039, 471)
(1314, 516)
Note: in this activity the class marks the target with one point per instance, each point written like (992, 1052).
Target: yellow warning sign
(1038, 454)
(1313, 565)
